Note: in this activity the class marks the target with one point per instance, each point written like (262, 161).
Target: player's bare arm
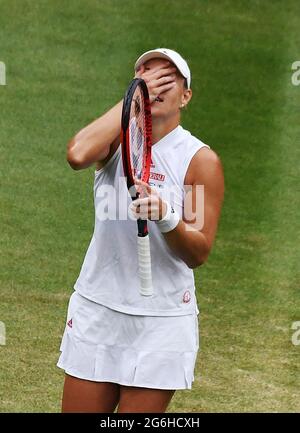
(193, 246)
(98, 141)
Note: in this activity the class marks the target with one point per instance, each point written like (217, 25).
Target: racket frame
(144, 258)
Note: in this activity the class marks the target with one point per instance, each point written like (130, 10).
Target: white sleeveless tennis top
(109, 274)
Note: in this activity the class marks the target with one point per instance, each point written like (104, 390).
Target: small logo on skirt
(70, 323)
(186, 297)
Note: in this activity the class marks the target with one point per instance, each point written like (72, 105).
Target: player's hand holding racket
(151, 206)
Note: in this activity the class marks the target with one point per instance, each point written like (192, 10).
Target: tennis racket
(136, 139)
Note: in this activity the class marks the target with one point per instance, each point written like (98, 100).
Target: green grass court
(69, 61)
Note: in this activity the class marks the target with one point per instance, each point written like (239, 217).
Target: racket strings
(137, 134)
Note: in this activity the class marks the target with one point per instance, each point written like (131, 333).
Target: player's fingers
(155, 74)
(152, 201)
(140, 182)
(132, 212)
(162, 72)
(163, 66)
(162, 89)
(144, 187)
(139, 212)
(140, 202)
(153, 78)
(165, 80)
(141, 208)
(162, 69)
(141, 190)
(139, 72)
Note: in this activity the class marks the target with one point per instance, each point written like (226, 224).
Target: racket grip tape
(144, 260)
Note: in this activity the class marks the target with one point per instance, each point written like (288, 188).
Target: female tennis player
(121, 350)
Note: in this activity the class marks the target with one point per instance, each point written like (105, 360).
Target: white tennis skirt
(104, 345)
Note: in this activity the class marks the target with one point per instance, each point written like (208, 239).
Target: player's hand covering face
(159, 75)
(165, 86)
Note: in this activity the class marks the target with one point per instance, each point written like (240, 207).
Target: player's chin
(158, 110)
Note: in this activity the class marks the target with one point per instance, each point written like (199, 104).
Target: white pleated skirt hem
(104, 345)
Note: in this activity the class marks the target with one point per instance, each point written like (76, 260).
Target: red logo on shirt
(157, 176)
(186, 297)
(70, 323)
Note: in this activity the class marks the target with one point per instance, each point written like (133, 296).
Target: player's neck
(162, 127)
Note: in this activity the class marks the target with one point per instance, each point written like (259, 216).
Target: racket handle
(144, 260)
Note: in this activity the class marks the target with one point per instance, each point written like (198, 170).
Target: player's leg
(86, 396)
(136, 399)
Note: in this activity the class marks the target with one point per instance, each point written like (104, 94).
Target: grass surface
(60, 56)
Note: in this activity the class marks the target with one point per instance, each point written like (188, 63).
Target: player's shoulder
(205, 155)
(191, 142)
(205, 162)
(203, 151)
